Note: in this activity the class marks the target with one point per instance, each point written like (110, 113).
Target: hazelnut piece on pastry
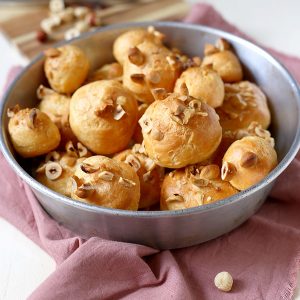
(58, 167)
(103, 116)
(194, 186)
(180, 130)
(133, 38)
(243, 104)
(32, 132)
(106, 182)
(202, 83)
(66, 68)
(149, 173)
(223, 60)
(247, 161)
(149, 66)
(57, 107)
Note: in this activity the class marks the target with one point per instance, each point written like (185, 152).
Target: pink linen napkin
(263, 255)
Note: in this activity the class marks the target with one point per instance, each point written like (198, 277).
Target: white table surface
(23, 265)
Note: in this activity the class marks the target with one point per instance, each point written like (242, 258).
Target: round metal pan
(166, 229)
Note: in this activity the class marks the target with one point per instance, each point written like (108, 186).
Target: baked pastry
(58, 167)
(137, 135)
(254, 129)
(66, 68)
(103, 116)
(202, 83)
(133, 38)
(149, 173)
(107, 182)
(223, 60)
(108, 71)
(57, 107)
(180, 130)
(244, 103)
(247, 161)
(32, 132)
(194, 186)
(149, 66)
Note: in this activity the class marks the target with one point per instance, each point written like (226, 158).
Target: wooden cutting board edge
(152, 11)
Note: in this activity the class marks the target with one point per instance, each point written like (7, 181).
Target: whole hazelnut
(223, 281)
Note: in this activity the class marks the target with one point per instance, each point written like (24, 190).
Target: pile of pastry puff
(154, 130)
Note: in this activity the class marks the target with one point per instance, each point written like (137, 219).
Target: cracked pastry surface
(100, 180)
(194, 186)
(247, 161)
(66, 68)
(243, 104)
(180, 130)
(32, 132)
(149, 173)
(103, 116)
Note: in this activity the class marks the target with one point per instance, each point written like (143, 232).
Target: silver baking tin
(166, 229)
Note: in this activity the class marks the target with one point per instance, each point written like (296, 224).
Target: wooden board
(21, 30)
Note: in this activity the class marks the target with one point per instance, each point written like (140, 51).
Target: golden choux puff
(149, 66)
(103, 116)
(180, 130)
(108, 71)
(32, 132)
(202, 83)
(194, 186)
(243, 104)
(107, 182)
(66, 68)
(57, 168)
(132, 38)
(149, 173)
(247, 161)
(57, 107)
(223, 60)
(254, 129)
(137, 135)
